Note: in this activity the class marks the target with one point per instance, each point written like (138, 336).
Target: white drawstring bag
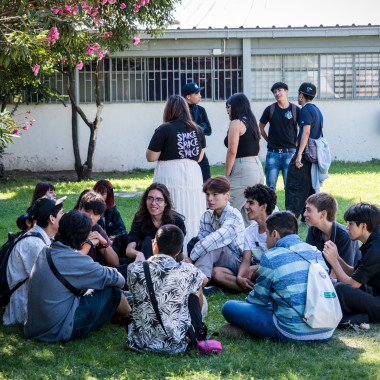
(322, 310)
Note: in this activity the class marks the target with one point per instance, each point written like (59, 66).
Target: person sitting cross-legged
(47, 214)
(54, 312)
(98, 245)
(261, 202)
(320, 213)
(221, 231)
(355, 296)
(275, 307)
(178, 294)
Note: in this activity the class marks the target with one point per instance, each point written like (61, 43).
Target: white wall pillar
(247, 67)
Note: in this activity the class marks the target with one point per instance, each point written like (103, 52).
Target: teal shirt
(287, 273)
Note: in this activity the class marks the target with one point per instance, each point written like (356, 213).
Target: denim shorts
(95, 309)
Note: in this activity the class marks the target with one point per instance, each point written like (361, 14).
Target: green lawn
(104, 355)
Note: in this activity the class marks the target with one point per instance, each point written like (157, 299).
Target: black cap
(44, 206)
(191, 88)
(21, 220)
(308, 89)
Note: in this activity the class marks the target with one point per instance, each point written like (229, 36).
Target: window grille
(155, 79)
(337, 76)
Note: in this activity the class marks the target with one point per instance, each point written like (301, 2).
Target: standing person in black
(282, 136)
(191, 92)
(298, 183)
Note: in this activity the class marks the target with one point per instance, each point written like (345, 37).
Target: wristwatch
(89, 242)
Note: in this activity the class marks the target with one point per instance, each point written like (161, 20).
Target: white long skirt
(183, 178)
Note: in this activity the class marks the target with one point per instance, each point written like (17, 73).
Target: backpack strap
(153, 300)
(271, 111)
(75, 291)
(294, 111)
(19, 238)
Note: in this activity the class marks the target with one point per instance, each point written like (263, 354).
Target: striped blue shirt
(287, 273)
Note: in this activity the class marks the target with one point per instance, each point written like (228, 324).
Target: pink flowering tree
(68, 34)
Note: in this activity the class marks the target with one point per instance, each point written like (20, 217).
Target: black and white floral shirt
(173, 283)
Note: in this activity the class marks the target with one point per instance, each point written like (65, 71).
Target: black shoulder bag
(75, 291)
(152, 296)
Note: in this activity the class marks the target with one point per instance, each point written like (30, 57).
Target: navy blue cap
(308, 89)
(191, 88)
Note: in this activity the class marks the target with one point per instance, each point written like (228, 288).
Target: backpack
(294, 112)
(5, 252)
(322, 308)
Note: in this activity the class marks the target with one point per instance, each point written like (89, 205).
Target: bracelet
(89, 242)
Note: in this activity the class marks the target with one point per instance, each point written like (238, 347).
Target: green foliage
(103, 354)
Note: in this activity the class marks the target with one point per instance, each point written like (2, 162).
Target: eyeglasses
(229, 106)
(159, 201)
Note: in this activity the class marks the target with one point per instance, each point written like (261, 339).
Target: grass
(103, 354)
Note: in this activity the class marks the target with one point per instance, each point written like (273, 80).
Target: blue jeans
(253, 318)
(275, 162)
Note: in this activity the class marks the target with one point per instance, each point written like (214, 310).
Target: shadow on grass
(104, 355)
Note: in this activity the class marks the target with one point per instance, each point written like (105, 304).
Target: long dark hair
(40, 190)
(106, 186)
(143, 216)
(177, 109)
(241, 110)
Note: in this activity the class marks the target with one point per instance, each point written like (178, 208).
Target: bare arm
(234, 132)
(131, 250)
(152, 156)
(201, 155)
(243, 278)
(262, 130)
(303, 142)
(330, 252)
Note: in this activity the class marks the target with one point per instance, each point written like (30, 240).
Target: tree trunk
(94, 125)
(74, 124)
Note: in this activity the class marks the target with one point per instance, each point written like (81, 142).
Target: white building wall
(352, 128)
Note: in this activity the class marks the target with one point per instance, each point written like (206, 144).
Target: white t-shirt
(255, 242)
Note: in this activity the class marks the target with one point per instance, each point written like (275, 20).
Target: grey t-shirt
(51, 306)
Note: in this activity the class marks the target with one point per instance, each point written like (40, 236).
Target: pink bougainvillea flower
(94, 12)
(103, 2)
(89, 50)
(25, 128)
(136, 9)
(136, 41)
(56, 11)
(36, 68)
(53, 35)
(27, 111)
(101, 53)
(16, 131)
(80, 65)
(68, 8)
(122, 6)
(111, 1)
(96, 46)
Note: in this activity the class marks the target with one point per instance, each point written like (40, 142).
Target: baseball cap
(21, 220)
(43, 207)
(191, 88)
(308, 89)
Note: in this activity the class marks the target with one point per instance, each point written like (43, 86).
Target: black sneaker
(210, 290)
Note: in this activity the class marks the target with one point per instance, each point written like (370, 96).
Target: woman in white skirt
(178, 145)
(243, 167)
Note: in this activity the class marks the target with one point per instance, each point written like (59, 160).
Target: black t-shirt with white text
(175, 141)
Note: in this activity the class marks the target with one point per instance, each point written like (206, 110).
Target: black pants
(357, 301)
(196, 318)
(205, 167)
(298, 186)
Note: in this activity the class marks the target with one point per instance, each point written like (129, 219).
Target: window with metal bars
(154, 79)
(337, 76)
